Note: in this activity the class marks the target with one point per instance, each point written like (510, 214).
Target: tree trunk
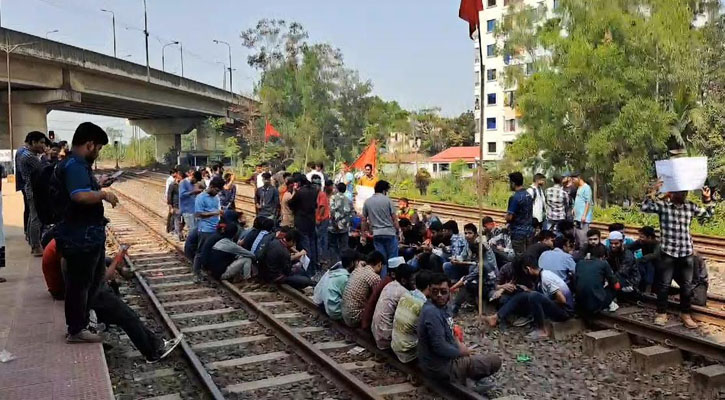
(595, 187)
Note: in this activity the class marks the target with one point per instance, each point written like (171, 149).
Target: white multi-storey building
(500, 118)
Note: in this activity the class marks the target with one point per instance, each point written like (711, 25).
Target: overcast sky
(414, 51)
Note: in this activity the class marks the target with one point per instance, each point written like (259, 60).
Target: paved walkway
(32, 328)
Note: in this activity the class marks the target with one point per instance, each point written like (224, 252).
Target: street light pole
(181, 50)
(113, 23)
(9, 50)
(231, 86)
(49, 32)
(146, 35)
(224, 75)
(163, 48)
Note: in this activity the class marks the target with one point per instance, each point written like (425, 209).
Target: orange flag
(269, 132)
(368, 156)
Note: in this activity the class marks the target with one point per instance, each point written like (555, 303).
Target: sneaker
(522, 321)
(613, 307)
(166, 348)
(688, 322)
(537, 334)
(84, 336)
(661, 319)
(37, 251)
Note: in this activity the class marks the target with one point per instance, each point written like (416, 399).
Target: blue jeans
(647, 272)
(535, 304)
(308, 242)
(455, 272)
(323, 242)
(388, 245)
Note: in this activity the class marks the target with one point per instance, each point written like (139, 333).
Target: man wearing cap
(207, 211)
(623, 263)
(583, 208)
(425, 215)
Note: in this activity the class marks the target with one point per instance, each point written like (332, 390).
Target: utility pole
(224, 75)
(9, 50)
(163, 48)
(231, 85)
(51, 32)
(146, 35)
(181, 50)
(113, 24)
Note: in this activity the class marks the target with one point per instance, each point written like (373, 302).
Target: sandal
(3, 280)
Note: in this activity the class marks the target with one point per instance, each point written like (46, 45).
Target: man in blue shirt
(207, 211)
(583, 209)
(520, 215)
(81, 236)
(440, 353)
(559, 260)
(187, 197)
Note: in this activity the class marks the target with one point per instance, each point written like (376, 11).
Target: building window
(529, 69)
(435, 167)
(471, 165)
(510, 125)
(491, 99)
(491, 74)
(490, 25)
(444, 167)
(556, 5)
(510, 99)
(491, 147)
(491, 3)
(477, 104)
(491, 124)
(507, 59)
(491, 50)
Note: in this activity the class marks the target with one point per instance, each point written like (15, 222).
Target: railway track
(709, 246)
(259, 340)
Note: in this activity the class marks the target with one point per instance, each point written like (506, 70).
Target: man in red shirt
(322, 218)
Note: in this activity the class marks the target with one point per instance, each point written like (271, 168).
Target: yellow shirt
(366, 181)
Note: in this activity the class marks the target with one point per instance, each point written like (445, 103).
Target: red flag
(368, 156)
(469, 12)
(269, 132)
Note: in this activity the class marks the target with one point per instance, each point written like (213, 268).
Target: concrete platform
(32, 328)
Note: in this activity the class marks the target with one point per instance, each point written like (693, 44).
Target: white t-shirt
(260, 181)
(318, 173)
(551, 283)
(169, 181)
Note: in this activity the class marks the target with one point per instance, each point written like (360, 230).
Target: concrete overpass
(46, 75)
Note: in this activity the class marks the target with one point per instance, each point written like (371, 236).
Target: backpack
(261, 251)
(49, 195)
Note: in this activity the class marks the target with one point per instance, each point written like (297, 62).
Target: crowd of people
(400, 273)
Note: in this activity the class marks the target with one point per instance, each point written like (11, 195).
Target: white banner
(679, 174)
(362, 193)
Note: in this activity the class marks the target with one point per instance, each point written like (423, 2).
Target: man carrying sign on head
(676, 245)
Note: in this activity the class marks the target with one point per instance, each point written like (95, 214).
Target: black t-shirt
(218, 261)
(276, 262)
(206, 249)
(304, 205)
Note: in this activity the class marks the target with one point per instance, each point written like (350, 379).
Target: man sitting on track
(225, 259)
(329, 290)
(405, 322)
(382, 324)
(440, 354)
(359, 288)
(276, 264)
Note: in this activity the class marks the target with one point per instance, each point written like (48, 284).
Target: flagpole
(481, 236)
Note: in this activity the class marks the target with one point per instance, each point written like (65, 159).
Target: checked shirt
(557, 201)
(675, 220)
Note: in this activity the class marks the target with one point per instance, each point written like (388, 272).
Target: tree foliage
(614, 88)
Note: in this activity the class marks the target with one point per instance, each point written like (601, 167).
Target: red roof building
(449, 155)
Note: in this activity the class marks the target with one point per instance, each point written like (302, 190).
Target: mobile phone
(116, 174)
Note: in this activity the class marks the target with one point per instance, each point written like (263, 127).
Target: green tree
(603, 95)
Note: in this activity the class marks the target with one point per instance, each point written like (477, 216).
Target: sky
(414, 51)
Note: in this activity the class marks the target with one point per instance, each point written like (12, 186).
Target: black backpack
(261, 250)
(49, 195)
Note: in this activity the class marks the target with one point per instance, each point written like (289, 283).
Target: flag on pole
(368, 156)
(469, 12)
(269, 132)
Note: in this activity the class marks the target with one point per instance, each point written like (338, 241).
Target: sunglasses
(439, 292)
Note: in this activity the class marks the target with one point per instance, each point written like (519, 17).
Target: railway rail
(709, 246)
(265, 329)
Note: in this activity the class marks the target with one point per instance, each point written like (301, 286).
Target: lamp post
(181, 51)
(51, 32)
(231, 86)
(113, 24)
(163, 48)
(9, 50)
(224, 75)
(146, 36)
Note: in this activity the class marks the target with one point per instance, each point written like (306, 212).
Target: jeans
(580, 234)
(467, 294)
(189, 221)
(388, 245)
(297, 281)
(521, 244)
(176, 223)
(26, 213)
(475, 367)
(308, 242)
(338, 244)
(551, 225)
(668, 266)
(514, 304)
(83, 273)
(323, 243)
(455, 272)
(542, 307)
(110, 309)
(203, 237)
(34, 225)
(647, 272)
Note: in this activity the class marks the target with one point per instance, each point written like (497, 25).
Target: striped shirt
(359, 287)
(675, 220)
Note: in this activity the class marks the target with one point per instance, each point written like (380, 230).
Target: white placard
(6, 156)
(679, 174)
(362, 193)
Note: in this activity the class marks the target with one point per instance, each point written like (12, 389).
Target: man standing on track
(187, 197)
(583, 209)
(676, 247)
(519, 214)
(30, 162)
(207, 210)
(81, 236)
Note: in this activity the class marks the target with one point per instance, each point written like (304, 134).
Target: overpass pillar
(168, 133)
